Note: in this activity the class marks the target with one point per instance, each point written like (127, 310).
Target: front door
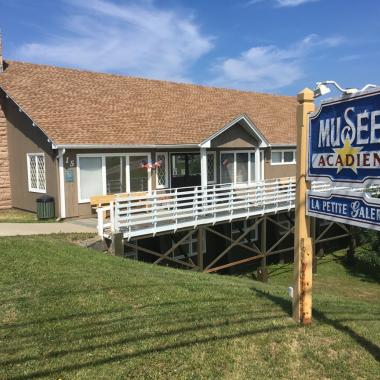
(185, 169)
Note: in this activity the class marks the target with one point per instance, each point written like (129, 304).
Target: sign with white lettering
(344, 140)
(357, 209)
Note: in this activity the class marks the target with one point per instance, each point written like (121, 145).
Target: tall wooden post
(303, 249)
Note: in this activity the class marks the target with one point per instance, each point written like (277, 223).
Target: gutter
(123, 146)
(62, 195)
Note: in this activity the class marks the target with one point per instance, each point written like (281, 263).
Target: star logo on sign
(347, 152)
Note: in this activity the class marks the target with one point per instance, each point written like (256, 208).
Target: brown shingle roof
(80, 107)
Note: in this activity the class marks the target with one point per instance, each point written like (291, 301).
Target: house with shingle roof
(91, 139)
(76, 134)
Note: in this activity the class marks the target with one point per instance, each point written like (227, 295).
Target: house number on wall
(71, 163)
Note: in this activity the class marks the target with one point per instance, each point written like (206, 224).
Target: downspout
(62, 199)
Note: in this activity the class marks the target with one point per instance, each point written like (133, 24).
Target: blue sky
(276, 46)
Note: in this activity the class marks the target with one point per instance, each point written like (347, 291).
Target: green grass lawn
(14, 215)
(71, 313)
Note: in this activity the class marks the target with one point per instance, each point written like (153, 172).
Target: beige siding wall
(23, 138)
(234, 137)
(5, 182)
(277, 171)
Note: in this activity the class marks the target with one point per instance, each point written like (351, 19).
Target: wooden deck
(170, 210)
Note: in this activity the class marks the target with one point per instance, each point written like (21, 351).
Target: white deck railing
(172, 209)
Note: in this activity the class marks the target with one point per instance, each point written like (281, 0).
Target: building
(76, 135)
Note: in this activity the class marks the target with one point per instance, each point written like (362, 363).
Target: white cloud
(136, 39)
(269, 67)
(293, 3)
(284, 3)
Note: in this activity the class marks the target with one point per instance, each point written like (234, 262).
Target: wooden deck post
(303, 250)
(262, 274)
(117, 246)
(200, 247)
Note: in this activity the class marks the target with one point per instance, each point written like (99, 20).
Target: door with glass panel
(185, 169)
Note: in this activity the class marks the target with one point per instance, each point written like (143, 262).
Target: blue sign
(357, 209)
(344, 140)
(69, 175)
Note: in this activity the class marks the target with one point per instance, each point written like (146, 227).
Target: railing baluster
(175, 209)
(154, 212)
(112, 218)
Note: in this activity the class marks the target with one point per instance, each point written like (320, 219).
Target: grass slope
(68, 312)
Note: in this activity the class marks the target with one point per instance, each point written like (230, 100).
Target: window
(162, 179)
(188, 247)
(90, 178)
(282, 157)
(36, 172)
(194, 162)
(115, 175)
(111, 174)
(242, 164)
(238, 167)
(211, 167)
(138, 174)
(178, 165)
(238, 228)
(227, 162)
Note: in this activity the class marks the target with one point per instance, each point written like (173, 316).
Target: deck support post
(117, 245)
(262, 271)
(303, 248)
(200, 247)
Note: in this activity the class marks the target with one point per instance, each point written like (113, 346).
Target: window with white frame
(189, 247)
(238, 167)
(283, 157)
(211, 167)
(112, 173)
(36, 172)
(162, 173)
(238, 228)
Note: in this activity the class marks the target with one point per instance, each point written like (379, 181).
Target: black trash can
(45, 207)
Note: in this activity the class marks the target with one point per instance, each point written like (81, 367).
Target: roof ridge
(194, 85)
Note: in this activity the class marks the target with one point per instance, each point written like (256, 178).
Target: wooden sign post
(303, 247)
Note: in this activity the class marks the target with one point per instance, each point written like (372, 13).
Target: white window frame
(235, 152)
(245, 227)
(282, 151)
(104, 180)
(213, 153)
(30, 188)
(189, 242)
(166, 154)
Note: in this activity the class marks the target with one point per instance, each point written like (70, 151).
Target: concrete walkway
(69, 226)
